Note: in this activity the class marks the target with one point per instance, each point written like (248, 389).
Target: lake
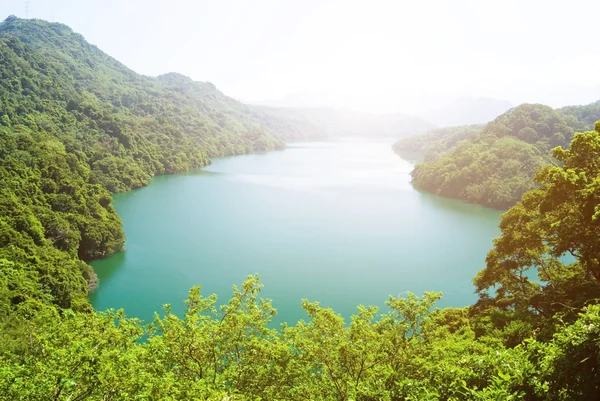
(336, 222)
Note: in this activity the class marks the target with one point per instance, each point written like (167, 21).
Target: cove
(336, 222)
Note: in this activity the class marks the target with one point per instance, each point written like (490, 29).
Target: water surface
(337, 222)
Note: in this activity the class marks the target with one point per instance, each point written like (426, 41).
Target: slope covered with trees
(496, 166)
(76, 125)
(127, 125)
(581, 117)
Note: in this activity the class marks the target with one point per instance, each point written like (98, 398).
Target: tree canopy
(554, 232)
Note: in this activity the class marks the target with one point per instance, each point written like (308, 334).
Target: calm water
(336, 222)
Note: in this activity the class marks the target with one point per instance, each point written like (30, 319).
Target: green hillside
(71, 90)
(77, 125)
(496, 166)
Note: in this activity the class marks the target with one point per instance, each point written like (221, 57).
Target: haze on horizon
(378, 56)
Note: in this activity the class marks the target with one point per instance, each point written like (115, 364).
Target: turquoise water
(335, 222)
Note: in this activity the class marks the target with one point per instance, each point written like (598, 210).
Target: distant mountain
(432, 144)
(297, 100)
(303, 123)
(466, 111)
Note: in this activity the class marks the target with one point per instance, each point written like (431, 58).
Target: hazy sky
(371, 55)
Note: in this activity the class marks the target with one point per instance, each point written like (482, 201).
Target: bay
(336, 222)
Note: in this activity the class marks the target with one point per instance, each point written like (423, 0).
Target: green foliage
(569, 363)
(493, 173)
(545, 267)
(496, 166)
(582, 117)
(411, 352)
(214, 352)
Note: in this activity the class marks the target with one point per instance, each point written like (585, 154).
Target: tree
(548, 256)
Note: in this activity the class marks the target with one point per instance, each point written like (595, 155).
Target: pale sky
(369, 55)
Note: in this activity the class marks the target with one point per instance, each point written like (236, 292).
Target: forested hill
(581, 117)
(77, 125)
(496, 164)
(128, 125)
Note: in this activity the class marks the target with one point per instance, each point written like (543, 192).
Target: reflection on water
(107, 268)
(454, 205)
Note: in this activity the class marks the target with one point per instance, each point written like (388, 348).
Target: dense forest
(495, 165)
(77, 126)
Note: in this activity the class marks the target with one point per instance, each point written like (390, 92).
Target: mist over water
(336, 222)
